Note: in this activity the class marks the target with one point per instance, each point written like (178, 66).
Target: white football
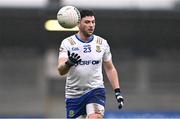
(68, 16)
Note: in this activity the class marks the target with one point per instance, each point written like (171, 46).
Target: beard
(87, 34)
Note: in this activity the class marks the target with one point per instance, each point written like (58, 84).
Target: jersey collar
(89, 39)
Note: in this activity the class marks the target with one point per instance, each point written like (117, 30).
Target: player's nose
(91, 24)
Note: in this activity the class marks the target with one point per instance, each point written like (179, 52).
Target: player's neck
(83, 37)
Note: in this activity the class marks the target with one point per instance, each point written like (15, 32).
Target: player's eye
(87, 22)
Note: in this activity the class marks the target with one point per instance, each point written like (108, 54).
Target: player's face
(87, 25)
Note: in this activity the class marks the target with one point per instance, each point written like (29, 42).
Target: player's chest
(92, 50)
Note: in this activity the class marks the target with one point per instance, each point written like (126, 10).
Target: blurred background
(144, 36)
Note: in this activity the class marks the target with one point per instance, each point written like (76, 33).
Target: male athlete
(81, 57)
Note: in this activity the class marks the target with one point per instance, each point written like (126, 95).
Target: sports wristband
(117, 90)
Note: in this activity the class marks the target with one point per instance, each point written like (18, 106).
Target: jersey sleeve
(63, 50)
(107, 54)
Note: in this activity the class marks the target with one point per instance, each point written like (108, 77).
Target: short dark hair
(86, 12)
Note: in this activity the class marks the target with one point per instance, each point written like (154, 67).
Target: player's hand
(73, 59)
(119, 98)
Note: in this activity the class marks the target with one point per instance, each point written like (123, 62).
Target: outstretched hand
(72, 59)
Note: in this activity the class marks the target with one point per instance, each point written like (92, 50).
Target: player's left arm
(114, 80)
(111, 73)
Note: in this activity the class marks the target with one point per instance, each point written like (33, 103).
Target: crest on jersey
(98, 48)
(71, 113)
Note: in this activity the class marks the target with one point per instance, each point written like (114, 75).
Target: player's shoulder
(69, 40)
(100, 40)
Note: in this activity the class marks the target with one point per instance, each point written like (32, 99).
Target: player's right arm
(63, 68)
(66, 64)
(67, 59)
(63, 57)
